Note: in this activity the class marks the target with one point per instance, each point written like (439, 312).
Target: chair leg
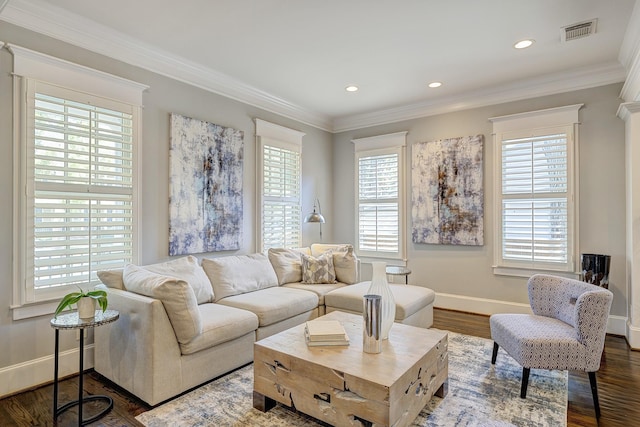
(594, 392)
(525, 382)
(495, 353)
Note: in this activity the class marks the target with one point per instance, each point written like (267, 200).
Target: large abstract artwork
(205, 187)
(447, 192)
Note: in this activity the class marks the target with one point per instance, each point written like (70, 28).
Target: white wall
(27, 345)
(462, 275)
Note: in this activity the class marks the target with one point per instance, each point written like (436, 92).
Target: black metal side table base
(97, 416)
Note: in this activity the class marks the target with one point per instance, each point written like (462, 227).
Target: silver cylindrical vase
(372, 324)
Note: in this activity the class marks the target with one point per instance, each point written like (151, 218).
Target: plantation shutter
(535, 216)
(378, 203)
(281, 222)
(82, 186)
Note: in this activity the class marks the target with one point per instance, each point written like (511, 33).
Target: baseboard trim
(32, 373)
(617, 325)
(633, 335)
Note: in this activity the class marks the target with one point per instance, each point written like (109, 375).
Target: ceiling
(295, 57)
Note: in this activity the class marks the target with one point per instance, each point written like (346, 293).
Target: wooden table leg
(262, 402)
(443, 390)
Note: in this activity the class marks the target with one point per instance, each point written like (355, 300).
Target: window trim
(268, 133)
(538, 122)
(376, 145)
(34, 66)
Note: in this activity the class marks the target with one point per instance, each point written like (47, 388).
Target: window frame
(30, 70)
(394, 143)
(270, 134)
(531, 124)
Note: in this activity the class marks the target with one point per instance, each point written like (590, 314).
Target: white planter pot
(86, 308)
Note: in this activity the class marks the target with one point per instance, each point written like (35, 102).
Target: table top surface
(72, 321)
(397, 270)
(406, 346)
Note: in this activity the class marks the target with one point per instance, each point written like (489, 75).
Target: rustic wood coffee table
(342, 385)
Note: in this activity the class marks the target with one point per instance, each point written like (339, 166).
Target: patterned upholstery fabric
(318, 269)
(566, 331)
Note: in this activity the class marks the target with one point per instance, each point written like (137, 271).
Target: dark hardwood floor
(618, 384)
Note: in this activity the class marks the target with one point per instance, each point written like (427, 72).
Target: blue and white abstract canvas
(205, 180)
(447, 192)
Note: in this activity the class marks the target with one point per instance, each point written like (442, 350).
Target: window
(535, 188)
(279, 181)
(380, 196)
(77, 184)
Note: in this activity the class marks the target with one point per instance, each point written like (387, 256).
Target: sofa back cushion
(287, 263)
(185, 268)
(235, 275)
(177, 297)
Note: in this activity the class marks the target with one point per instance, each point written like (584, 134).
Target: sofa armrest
(139, 351)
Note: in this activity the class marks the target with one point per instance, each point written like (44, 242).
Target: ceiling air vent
(579, 30)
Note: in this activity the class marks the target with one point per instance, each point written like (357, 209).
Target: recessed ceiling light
(523, 44)
(435, 84)
(351, 88)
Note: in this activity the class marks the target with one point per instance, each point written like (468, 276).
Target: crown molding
(630, 57)
(583, 78)
(60, 24)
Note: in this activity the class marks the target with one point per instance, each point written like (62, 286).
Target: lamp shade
(314, 217)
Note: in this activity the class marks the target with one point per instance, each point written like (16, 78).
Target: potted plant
(86, 301)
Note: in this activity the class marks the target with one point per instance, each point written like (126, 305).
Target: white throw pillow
(235, 275)
(111, 278)
(287, 264)
(345, 263)
(176, 295)
(187, 269)
(318, 269)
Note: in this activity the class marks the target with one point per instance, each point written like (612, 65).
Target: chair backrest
(581, 305)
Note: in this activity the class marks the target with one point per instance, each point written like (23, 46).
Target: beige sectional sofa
(183, 323)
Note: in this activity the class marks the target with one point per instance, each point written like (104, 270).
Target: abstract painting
(447, 192)
(205, 187)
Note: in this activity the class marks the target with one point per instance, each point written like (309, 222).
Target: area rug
(480, 394)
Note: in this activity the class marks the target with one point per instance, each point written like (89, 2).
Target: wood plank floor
(618, 384)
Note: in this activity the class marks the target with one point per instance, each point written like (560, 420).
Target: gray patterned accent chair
(566, 330)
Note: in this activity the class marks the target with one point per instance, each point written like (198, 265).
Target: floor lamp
(316, 216)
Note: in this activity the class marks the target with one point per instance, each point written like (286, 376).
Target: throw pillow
(318, 269)
(176, 296)
(187, 269)
(287, 264)
(234, 275)
(345, 263)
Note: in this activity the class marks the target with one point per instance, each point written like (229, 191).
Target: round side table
(396, 270)
(72, 321)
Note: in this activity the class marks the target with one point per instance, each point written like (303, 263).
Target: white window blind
(535, 199)
(378, 207)
(279, 186)
(535, 174)
(281, 223)
(82, 199)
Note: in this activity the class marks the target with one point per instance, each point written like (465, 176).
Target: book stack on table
(325, 332)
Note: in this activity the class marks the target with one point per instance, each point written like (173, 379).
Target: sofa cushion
(409, 298)
(220, 323)
(287, 263)
(318, 269)
(187, 269)
(111, 278)
(176, 295)
(345, 263)
(234, 275)
(320, 289)
(274, 304)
